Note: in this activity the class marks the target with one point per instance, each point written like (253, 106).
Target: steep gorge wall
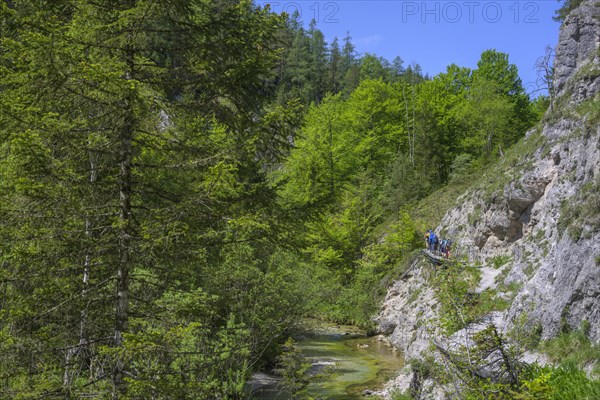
(533, 219)
(541, 212)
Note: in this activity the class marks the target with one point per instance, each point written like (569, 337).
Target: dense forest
(182, 182)
(364, 155)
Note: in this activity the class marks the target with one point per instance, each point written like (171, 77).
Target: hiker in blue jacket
(432, 241)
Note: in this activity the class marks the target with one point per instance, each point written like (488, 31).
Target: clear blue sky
(434, 33)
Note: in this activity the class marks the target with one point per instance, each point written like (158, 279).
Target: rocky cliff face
(540, 215)
(578, 42)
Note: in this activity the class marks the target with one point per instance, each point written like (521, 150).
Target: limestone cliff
(539, 213)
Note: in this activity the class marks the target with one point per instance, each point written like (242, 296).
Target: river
(356, 363)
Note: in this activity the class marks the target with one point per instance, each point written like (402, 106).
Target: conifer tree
(299, 63)
(134, 140)
(318, 62)
(335, 67)
(349, 70)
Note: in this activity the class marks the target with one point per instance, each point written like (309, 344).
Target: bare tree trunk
(89, 232)
(82, 349)
(545, 71)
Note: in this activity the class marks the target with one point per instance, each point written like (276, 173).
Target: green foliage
(293, 370)
(401, 239)
(511, 379)
(497, 110)
(160, 373)
(539, 106)
(487, 114)
(141, 237)
(355, 296)
(571, 352)
(319, 166)
(144, 158)
(538, 383)
(461, 167)
(499, 261)
(565, 10)
(309, 69)
(590, 112)
(431, 209)
(373, 67)
(362, 158)
(533, 337)
(454, 283)
(489, 368)
(416, 129)
(404, 185)
(557, 383)
(566, 380)
(572, 348)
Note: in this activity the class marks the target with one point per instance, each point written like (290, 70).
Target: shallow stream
(352, 362)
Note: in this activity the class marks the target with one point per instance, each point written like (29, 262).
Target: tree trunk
(125, 220)
(331, 161)
(82, 349)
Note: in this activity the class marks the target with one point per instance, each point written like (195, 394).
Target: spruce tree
(335, 67)
(134, 141)
(318, 62)
(349, 70)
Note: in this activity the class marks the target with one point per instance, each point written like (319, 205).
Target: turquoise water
(353, 364)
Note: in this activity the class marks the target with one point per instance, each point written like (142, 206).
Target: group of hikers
(437, 245)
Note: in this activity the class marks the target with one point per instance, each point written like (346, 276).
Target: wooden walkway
(433, 258)
(438, 260)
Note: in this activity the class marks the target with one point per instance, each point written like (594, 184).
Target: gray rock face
(558, 274)
(578, 40)
(408, 313)
(408, 316)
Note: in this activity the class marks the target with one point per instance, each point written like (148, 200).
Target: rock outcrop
(544, 218)
(578, 40)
